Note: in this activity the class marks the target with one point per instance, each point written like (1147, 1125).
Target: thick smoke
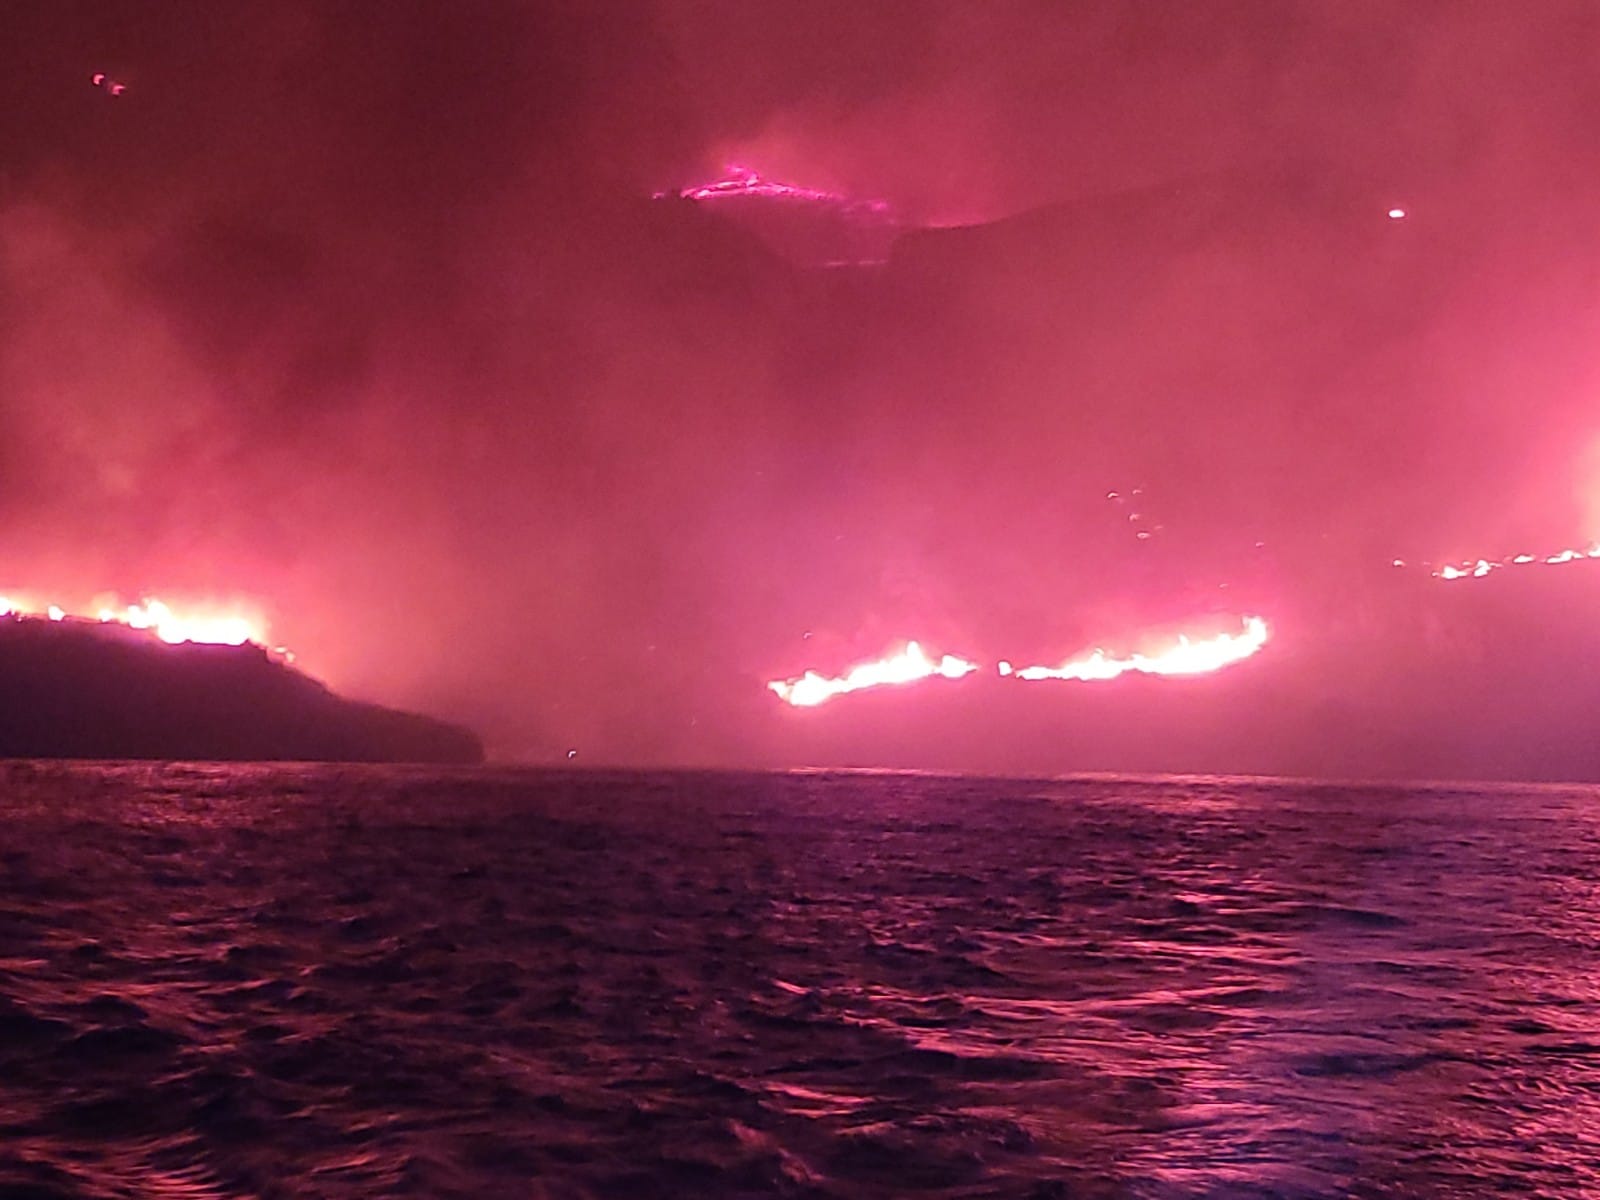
(367, 314)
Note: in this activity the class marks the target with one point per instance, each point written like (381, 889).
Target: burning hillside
(150, 681)
(206, 624)
(1182, 655)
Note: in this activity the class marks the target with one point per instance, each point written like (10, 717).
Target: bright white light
(1397, 214)
(908, 666)
(1185, 658)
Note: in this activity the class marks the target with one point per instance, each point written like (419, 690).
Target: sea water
(313, 981)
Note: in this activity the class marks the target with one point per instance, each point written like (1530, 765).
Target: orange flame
(174, 629)
(906, 666)
(225, 628)
(1478, 568)
(1186, 657)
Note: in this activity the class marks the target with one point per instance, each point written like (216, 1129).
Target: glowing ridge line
(908, 666)
(1185, 658)
(744, 181)
(155, 617)
(1478, 568)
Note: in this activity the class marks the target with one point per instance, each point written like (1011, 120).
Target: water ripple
(237, 981)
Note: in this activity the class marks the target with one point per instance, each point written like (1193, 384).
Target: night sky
(389, 320)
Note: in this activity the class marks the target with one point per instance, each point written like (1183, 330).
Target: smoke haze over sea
(256, 981)
(372, 323)
(1002, 389)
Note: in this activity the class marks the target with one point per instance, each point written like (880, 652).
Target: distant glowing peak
(906, 666)
(738, 180)
(1184, 657)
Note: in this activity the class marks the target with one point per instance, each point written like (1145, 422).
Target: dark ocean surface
(268, 981)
